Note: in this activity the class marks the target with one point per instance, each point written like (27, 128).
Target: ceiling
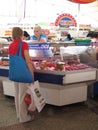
(33, 11)
(88, 13)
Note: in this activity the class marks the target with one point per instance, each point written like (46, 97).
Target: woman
(20, 88)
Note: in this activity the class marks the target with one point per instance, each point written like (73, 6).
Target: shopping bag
(18, 70)
(27, 106)
(39, 100)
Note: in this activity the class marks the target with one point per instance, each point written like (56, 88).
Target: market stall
(63, 80)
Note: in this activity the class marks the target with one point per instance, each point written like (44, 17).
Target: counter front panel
(59, 77)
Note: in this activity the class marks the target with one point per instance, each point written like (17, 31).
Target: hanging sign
(39, 46)
(82, 1)
(65, 20)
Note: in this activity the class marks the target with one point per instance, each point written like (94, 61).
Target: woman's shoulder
(33, 37)
(25, 44)
(43, 35)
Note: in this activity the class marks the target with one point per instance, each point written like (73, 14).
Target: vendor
(38, 36)
(68, 38)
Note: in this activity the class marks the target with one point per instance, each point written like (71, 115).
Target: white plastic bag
(39, 100)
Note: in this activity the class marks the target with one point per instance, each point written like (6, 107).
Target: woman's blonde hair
(17, 33)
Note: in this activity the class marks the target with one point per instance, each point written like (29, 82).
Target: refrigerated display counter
(58, 87)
